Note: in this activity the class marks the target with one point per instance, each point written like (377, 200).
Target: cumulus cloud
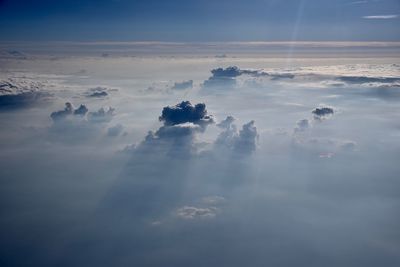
(102, 115)
(183, 121)
(244, 141)
(80, 115)
(82, 110)
(185, 112)
(176, 140)
(225, 77)
(76, 125)
(322, 112)
(67, 111)
(227, 123)
(62, 114)
(180, 125)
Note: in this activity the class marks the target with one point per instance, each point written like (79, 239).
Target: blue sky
(194, 20)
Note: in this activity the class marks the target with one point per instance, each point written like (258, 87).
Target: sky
(200, 21)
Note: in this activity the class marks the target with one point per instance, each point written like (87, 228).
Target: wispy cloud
(381, 17)
(357, 2)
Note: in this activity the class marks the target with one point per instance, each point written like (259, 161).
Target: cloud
(357, 2)
(18, 93)
(78, 125)
(80, 118)
(82, 110)
(102, 115)
(185, 112)
(176, 141)
(381, 17)
(302, 125)
(227, 77)
(99, 92)
(14, 54)
(227, 123)
(191, 213)
(213, 200)
(62, 114)
(229, 72)
(222, 77)
(180, 125)
(183, 85)
(69, 110)
(244, 141)
(115, 130)
(322, 112)
(364, 79)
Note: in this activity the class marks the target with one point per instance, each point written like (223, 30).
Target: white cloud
(381, 17)
(190, 212)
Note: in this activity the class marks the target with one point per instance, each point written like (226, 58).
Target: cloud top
(185, 112)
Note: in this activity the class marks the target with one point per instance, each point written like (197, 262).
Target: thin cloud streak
(381, 17)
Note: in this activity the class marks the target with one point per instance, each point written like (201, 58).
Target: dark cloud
(82, 110)
(322, 112)
(22, 100)
(185, 112)
(97, 92)
(62, 114)
(102, 115)
(67, 111)
(229, 72)
(183, 85)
